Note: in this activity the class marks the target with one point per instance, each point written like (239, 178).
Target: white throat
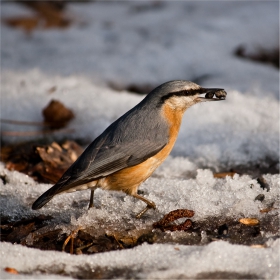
(182, 102)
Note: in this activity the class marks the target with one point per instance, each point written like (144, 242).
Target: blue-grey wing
(101, 159)
(129, 141)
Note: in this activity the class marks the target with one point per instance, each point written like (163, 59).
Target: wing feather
(96, 163)
(118, 147)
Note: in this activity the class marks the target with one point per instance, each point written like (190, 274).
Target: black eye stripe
(189, 92)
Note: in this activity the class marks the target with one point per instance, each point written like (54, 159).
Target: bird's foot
(140, 214)
(150, 204)
(91, 205)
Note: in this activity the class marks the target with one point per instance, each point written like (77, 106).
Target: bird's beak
(213, 94)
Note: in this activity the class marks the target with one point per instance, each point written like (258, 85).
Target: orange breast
(128, 179)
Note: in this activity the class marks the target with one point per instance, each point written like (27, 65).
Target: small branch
(23, 122)
(34, 133)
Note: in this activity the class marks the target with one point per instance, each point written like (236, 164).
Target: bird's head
(183, 94)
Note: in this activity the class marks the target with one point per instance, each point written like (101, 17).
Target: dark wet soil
(39, 232)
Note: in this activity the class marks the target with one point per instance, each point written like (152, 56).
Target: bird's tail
(42, 200)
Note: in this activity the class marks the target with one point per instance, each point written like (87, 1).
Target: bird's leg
(150, 204)
(91, 199)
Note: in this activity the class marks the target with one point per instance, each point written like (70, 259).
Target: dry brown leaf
(57, 115)
(45, 163)
(164, 223)
(20, 232)
(263, 183)
(224, 174)
(49, 14)
(258, 246)
(25, 23)
(128, 240)
(249, 221)
(266, 210)
(11, 270)
(56, 159)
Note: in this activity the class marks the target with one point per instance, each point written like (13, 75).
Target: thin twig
(23, 122)
(71, 236)
(34, 133)
(84, 247)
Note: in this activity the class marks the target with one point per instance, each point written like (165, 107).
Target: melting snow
(136, 42)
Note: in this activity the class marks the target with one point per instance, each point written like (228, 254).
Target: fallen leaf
(20, 232)
(49, 14)
(260, 197)
(164, 223)
(266, 210)
(11, 270)
(257, 246)
(128, 240)
(224, 174)
(25, 23)
(56, 115)
(56, 159)
(249, 221)
(263, 183)
(45, 163)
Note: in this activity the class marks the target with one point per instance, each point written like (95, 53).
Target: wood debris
(56, 115)
(266, 210)
(224, 174)
(48, 14)
(44, 163)
(165, 223)
(264, 185)
(11, 270)
(258, 246)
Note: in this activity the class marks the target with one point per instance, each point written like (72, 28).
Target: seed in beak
(209, 95)
(221, 94)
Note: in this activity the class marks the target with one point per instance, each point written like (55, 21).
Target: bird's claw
(141, 213)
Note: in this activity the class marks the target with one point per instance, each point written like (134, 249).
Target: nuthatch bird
(132, 147)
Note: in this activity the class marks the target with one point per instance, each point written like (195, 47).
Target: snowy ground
(143, 43)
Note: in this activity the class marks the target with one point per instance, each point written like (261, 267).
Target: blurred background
(136, 45)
